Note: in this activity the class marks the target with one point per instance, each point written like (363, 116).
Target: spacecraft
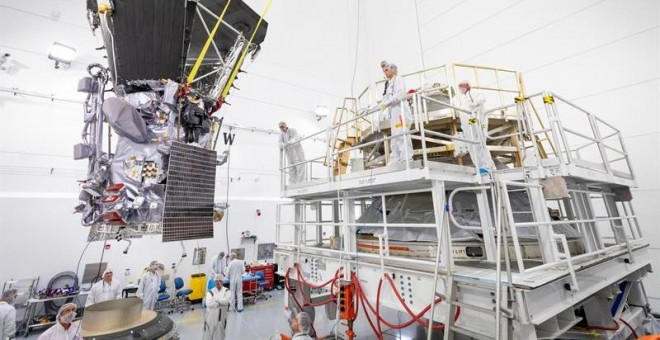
(152, 169)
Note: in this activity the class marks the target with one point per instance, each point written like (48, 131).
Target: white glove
(383, 106)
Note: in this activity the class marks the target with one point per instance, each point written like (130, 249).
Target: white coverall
(57, 332)
(301, 336)
(102, 291)
(294, 154)
(218, 266)
(148, 289)
(235, 272)
(290, 314)
(7, 320)
(215, 316)
(398, 112)
(475, 127)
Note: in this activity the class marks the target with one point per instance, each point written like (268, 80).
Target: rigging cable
(357, 45)
(419, 37)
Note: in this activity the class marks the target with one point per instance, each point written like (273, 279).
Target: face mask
(68, 318)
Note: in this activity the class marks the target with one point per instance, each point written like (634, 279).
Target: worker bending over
(218, 264)
(235, 271)
(65, 328)
(104, 290)
(395, 107)
(475, 128)
(294, 152)
(215, 316)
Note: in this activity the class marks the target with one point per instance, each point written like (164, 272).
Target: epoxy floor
(266, 319)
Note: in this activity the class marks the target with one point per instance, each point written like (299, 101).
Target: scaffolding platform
(545, 246)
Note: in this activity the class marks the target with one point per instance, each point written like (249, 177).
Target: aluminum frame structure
(561, 294)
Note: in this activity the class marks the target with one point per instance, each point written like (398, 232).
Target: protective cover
(125, 120)
(418, 208)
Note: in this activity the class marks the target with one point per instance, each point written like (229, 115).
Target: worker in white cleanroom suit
(104, 290)
(7, 315)
(235, 271)
(475, 128)
(395, 107)
(150, 285)
(65, 328)
(294, 153)
(215, 315)
(301, 326)
(218, 264)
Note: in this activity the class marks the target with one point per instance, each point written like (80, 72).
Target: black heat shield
(153, 39)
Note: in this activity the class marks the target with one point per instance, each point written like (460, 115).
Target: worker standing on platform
(384, 63)
(294, 152)
(218, 264)
(150, 285)
(395, 107)
(104, 290)
(235, 271)
(217, 305)
(7, 315)
(475, 127)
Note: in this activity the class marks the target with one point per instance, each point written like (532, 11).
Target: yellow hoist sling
(202, 54)
(230, 81)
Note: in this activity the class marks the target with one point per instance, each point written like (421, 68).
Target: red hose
(310, 285)
(288, 288)
(415, 317)
(380, 284)
(378, 317)
(359, 293)
(301, 279)
(362, 298)
(629, 327)
(403, 302)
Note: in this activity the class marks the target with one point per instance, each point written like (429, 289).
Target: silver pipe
(199, 4)
(451, 200)
(206, 28)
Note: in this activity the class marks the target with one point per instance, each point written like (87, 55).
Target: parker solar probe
(156, 173)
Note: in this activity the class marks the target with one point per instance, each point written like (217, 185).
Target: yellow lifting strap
(202, 54)
(230, 81)
(548, 99)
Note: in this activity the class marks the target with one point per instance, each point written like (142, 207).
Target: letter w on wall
(229, 138)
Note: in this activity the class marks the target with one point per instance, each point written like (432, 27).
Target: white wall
(603, 54)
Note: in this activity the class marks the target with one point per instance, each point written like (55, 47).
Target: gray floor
(266, 319)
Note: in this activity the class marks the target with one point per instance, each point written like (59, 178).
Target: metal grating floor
(189, 193)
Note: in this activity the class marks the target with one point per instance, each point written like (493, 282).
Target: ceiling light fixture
(62, 54)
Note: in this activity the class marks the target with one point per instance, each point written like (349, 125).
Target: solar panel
(188, 212)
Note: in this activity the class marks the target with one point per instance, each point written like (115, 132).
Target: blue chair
(261, 283)
(162, 303)
(181, 303)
